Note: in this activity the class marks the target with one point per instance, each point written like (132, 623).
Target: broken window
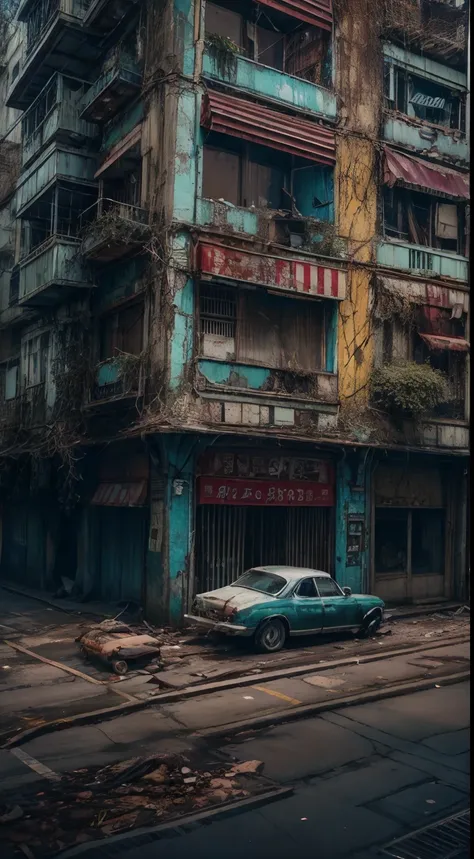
(272, 38)
(122, 331)
(423, 219)
(422, 98)
(256, 328)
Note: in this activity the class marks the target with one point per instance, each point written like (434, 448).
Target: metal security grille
(232, 539)
(447, 839)
(217, 311)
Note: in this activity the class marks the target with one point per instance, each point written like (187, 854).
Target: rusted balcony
(119, 378)
(52, 272)
(117, 84)
(54, 31)
(112, 229)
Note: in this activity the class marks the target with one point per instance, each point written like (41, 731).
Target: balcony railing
(52, 272)
(54, 163)
(10, 412)
(54, 112)
(119, 81)
(118, 378)
(14, 292)
(41, 15)
(110, 227)
(420, 259)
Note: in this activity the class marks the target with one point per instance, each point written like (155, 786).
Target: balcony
(435, 141)
(430, 28)
(54, 164)
(52, 273)
(10, 413)
(118, 379)
(54, 31)
(421, 260)
(34, 409)
(111, 230)
(271, 84)
(14, 314)
(112, 90)
(103, 15)
(54, 115)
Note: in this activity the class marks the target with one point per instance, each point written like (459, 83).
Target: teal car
(272, 603)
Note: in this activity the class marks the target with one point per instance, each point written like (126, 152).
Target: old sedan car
(272, 603)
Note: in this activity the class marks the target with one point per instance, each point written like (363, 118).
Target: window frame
(339, 591)
(301, 582)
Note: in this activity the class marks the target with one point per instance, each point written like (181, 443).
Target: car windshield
(258, 580)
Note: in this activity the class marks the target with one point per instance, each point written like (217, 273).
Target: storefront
(412, 537)
(259, 509)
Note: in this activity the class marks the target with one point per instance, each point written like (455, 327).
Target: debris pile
(87, 805)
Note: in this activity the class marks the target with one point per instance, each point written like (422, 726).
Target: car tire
(270, 636)
(371, 625)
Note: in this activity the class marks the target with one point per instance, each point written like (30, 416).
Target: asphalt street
(362, 777)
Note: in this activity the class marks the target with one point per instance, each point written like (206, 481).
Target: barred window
(218, 311)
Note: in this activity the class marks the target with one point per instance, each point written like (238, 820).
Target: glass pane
(391, 541)
(427, 541)
(307, 588)
(256, 580)
(328, 588)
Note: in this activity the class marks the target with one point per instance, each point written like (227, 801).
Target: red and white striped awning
(224, 263)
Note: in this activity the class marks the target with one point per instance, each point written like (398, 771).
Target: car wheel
(270, 636)
(370, 626)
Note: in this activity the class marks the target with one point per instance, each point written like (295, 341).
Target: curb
(404, 613)
(209, 688)
(306, 710)
(146, 834)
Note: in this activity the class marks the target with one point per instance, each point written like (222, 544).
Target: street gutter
(108, 713)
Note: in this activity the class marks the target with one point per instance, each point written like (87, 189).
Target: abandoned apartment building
(233, 295)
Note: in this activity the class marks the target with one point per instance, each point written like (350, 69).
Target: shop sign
(242, 465)
(265, 493)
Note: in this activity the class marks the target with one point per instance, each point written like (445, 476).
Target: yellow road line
(277, 694)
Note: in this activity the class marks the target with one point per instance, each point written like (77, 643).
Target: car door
(339, 611)
(307, 608)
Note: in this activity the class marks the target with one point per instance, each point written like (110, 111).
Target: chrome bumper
(218, 626)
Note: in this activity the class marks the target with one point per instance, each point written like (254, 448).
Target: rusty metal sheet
(120, 494)
(428, 293)
(215, 260)
(250, 121)
(127, 142)
(440, 343)
(414, 172)
(315, 12)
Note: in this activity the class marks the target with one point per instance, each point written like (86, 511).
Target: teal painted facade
(352, 505)
(419, 258)
(408, 133)
(257, 79)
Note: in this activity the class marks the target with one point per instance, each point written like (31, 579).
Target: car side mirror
(347, 592)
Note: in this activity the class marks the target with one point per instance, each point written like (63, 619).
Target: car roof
(292, 572)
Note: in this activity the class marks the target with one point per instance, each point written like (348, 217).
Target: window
(272, 39)
(453, 366)
(244, 174)
(395, 552)
(257, 580)
(256, 328)
(122, 332)
(423, 219)
(391, 541)
(328, 588)
(423, 99)
(35, 354)
(307, 588)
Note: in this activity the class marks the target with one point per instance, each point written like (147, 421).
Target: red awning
(251, 121)
(120, 494)
(419, 174)
(120, 149)
(316, 12)
(438, 343)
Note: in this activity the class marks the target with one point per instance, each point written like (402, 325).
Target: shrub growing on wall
(406, 387)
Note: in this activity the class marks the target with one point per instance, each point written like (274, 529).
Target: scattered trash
(437, 686)
(304, 818)
(430, 801)
(246, 767)
(115, 644)
(248, 697)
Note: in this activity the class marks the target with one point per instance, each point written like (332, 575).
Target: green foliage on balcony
(408, 388)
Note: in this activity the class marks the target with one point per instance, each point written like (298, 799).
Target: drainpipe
(199, 11)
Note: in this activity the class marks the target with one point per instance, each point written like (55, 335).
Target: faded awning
(438, 343)
(120, 494)
(315, 12)
(120, 148)
(418, 174)
(250, 121)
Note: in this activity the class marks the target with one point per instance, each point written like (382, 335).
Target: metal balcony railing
(115, 379)
(121, 210)
(42, 14)
(14, 292)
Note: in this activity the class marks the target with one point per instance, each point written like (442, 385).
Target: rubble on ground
(91, 804)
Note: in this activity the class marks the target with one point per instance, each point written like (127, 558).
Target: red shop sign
(264, 493)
